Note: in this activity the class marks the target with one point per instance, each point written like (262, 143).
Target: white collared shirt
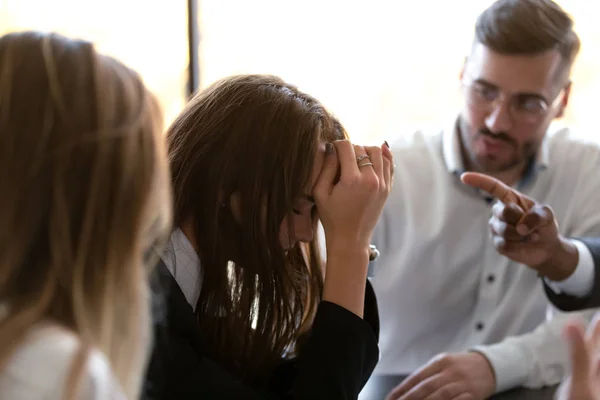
(184, 264)
(441, 285)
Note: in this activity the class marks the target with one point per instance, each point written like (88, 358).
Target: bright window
(149, 36)
(384, 67)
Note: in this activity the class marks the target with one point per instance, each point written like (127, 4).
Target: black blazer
(334, 363)
(572, 303)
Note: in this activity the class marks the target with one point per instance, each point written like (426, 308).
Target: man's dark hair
(528, 27)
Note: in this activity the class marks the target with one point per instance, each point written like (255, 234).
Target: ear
(565, 100)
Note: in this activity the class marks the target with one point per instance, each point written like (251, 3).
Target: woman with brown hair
(252, 313)
(84, 180)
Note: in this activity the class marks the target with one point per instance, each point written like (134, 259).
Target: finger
(594, 334)
(510, 213)
(347, 158)
(525, 251)
(499, 244)
(377, 160)
(330, 169)
(498, 210)
(387, 173)
(525, 202)
(492, 186)
(506, 231)
(387, 153)
(427, 387)
(537, 217)
(580, 360)
(448, 391)
(362, 160)
(464, 396)
(388, 164)
(416, 378)
(594, 346)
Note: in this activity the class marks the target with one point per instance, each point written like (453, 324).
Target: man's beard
(520, 154)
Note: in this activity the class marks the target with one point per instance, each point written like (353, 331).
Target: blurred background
(383, 67)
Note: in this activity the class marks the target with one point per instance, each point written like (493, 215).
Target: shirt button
(491, 278)
(479, 326)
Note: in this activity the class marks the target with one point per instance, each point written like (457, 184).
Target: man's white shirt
(441, 285)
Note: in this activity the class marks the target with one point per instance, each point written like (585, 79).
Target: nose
(499, 119)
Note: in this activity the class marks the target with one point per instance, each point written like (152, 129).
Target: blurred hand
(460, 376)
(525, 231)
(349, 208)
(584, 382)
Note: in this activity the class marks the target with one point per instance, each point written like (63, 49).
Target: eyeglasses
(528, 108)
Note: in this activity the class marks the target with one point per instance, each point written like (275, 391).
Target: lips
(492, 146)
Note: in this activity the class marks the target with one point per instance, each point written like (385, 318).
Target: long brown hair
(84, 181)
(255, 136)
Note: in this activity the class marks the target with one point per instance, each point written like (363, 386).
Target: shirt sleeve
(581, 281)
(535, 359)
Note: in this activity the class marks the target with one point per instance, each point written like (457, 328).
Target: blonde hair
(85, 195)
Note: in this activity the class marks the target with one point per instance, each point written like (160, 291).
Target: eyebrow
(521, 94)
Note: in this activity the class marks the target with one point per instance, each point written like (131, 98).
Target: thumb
(329, 172)
(580, 359)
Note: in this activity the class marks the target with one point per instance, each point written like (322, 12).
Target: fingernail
(386, 144)
(328, 149)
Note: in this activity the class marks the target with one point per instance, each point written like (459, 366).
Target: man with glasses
(461, 319)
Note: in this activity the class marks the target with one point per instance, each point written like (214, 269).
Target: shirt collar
(183, 262)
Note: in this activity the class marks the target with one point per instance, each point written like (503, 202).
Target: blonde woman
(84, 195)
